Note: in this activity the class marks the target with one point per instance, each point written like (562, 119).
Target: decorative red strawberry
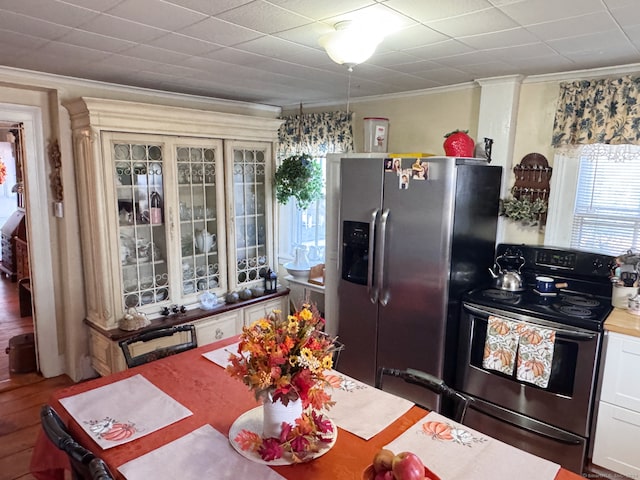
(458, 144)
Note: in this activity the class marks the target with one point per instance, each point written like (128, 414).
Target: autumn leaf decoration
(3, 172)
(285, 358)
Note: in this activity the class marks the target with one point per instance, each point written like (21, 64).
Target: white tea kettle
(510, 280)
(205, 241)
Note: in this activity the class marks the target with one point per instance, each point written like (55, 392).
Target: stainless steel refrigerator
(415, 234)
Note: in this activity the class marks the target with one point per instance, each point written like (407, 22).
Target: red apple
(382, 460)
(407, 466)
(384, 475)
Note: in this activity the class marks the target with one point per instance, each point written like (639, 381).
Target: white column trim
(499, 102)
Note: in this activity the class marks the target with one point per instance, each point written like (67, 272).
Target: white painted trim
(562, 197)
(547, 77)
(584, 74)
(51, 360)
(499, 103)
(46, 79)
(389, 96)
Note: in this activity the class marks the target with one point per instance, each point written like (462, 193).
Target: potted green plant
(523, 210)
(300, 177)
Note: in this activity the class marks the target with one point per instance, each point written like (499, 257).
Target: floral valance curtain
(315, 134)
(598, 111)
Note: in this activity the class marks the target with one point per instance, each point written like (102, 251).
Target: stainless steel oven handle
(565, 332)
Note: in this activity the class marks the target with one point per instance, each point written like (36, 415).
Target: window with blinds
(607, 206)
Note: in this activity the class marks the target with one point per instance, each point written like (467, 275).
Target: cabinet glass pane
(143, 246)
(198, 218)
(249, 205)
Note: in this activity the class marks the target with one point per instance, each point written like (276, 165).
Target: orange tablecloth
(216, 399)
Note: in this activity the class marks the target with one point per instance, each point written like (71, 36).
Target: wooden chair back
(85, 465)
(136, 354)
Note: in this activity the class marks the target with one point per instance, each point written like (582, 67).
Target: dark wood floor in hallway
(11, 324)
(21, 395)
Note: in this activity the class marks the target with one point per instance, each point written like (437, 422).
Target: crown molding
(523, 79)
(49, 80)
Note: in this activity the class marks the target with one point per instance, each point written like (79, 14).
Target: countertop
(621, 321)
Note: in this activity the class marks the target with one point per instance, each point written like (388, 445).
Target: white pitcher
(205, 241)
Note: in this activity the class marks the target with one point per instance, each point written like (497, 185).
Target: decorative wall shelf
(530, 192)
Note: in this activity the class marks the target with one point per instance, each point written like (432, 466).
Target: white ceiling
(267, 51)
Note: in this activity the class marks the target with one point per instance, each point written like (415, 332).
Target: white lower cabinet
(617, 433)
(107, 357)
(219, 327)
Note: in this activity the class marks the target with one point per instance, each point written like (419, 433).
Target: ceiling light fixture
(350, 44)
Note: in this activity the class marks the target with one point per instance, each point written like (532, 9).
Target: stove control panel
(555, 258)
(565, 262)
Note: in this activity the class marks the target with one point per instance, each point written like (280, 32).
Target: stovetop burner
(574, 311)
(581, 301)
(501, 295)
(569, 308)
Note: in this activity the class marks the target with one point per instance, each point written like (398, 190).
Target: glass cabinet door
(139, 169)
(200, 178)
(250, 182)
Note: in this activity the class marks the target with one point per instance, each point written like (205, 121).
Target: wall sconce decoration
(530, 191)
(351, 44)
(55, 177)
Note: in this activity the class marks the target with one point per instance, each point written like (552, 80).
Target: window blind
(607, 206)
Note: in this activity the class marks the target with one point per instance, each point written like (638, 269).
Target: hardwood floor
(21, 395)
(11, 324)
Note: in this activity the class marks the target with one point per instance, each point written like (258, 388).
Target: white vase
(274, 413)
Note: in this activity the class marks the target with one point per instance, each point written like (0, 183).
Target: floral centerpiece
(3, 172)
(283, 359)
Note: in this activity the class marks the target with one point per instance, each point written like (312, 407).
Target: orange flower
(3, 172)
(285, 355)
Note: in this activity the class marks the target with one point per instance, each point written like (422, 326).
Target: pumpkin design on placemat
(112, 430)
(341, 383)
(446, 432)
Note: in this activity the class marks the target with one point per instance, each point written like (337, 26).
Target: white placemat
(221, 355)
(360, 408)
(455, 452)
(204, 453)
(124, 410)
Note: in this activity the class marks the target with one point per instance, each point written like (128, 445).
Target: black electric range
(585, 302)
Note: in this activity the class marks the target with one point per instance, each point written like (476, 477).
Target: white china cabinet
(174, 202)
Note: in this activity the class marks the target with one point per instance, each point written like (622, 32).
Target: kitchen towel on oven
(535, 354)
(500, 345)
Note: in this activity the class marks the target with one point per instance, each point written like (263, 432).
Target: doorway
(51, 361)
(15, 292)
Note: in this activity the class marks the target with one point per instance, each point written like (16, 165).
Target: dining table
(214, 399)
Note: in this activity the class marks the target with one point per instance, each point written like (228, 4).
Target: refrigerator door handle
(371, 290)
(384, 295)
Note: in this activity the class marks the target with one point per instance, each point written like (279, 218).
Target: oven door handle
(525, 424)
(569, 334)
